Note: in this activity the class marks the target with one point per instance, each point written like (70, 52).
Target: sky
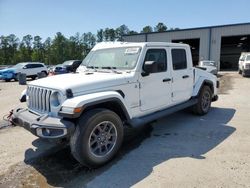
(46, 17)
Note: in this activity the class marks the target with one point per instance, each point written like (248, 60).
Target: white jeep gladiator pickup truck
(118, 84)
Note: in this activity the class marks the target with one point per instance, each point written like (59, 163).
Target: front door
(155, 88)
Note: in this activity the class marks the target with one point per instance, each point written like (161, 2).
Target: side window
(29, 66)
(179, 59)
(39, 65)
(159, 56)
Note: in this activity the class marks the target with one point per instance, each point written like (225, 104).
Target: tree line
(60, 48)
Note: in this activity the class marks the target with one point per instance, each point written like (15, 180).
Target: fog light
(47, 131)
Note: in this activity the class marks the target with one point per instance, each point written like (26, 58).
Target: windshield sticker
(131, 51)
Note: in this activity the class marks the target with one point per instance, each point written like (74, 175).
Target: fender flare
(93, 99)
(204, 82)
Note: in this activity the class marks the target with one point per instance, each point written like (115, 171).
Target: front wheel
(204, 101)
(7, 80)
(33, 77)
(97, 138)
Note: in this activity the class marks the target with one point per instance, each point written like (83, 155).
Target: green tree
(89, 40)
(59, 49)
(160, 27)
(13, 42)
(132, 32)
(109, 34)
(147, 29)
(47, 51)
(38, 49)
(4, 45)
(99, 35)
(120, 31)
(25, 49)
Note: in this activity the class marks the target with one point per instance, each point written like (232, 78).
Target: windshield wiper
(109, 67)
(113, 69)
(92, 67)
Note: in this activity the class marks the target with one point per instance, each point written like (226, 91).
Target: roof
(30, 62)
(196, 28)
(105, 45)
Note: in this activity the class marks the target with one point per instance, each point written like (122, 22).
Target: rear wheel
(97, 138)
(204, 101)
(44, 73)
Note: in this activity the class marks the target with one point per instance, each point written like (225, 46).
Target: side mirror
(25, 67)
(148, 67)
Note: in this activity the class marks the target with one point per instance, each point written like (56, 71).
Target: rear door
(27, 69)
(182, 74)
(155, 88)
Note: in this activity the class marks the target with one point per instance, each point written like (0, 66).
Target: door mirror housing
(25, 67)
(148, 67)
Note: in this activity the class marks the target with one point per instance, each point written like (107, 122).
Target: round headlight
(56, 99)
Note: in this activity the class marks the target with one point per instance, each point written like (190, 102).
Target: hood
(8, 69)
(82, 82)
(247, 62)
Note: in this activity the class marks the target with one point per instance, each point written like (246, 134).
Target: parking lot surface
(181, 150)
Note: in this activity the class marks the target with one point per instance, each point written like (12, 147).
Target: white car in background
(31, 69)
(244, 64)
(209, 66)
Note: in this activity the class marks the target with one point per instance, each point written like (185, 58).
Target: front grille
(247, 66)
(39, 99)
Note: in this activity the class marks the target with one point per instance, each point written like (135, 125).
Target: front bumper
(246, 72)
(6, 76)
(42, 126)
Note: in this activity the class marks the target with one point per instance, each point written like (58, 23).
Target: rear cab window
(179, 59)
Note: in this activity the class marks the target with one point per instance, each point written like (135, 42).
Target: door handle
(167, 80)
(185, 76)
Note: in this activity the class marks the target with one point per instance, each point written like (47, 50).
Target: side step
(136, 122)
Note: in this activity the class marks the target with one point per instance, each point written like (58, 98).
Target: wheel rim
(205, 103)
(103, 139)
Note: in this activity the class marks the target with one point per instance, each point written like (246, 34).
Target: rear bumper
(43, 126)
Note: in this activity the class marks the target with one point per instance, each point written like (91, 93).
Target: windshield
(115, 58)
(242, 58)
(248, 58)
(67, 63)
(18, 66)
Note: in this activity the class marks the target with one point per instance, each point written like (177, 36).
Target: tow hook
(8, 119)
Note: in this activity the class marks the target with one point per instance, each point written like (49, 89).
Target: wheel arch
(205, 82)
(113, 104)
(112, 100)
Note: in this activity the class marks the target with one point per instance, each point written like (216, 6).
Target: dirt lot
(181, 150)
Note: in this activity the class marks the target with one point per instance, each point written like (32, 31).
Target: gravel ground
(181, 150)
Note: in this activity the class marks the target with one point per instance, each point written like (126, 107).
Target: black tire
(204, 101)
(45, 73)
(16, 77)
(33, 77)
(240, 71)
(7, 80)
(87, 132)
(243, 74)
